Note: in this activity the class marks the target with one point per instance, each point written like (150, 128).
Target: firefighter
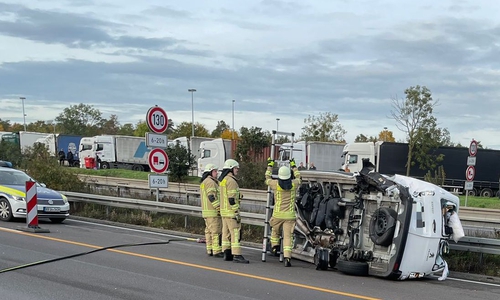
(210, 206)
(230, 212)
(284, 207)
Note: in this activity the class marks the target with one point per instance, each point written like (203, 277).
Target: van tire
(382, 226)
(356, 268)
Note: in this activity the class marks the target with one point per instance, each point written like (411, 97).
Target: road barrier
(471, 244)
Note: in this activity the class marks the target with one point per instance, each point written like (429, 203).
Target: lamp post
(277, 123)
(192, 110)
(385, 134)
(24, 114)
(233, 120)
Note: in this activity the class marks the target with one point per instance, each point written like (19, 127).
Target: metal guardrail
(471, 244)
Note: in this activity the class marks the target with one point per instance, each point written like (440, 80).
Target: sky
(276, 59)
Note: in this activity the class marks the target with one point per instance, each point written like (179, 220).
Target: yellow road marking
(193, 265)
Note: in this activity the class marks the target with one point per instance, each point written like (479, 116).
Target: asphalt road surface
(182, 270)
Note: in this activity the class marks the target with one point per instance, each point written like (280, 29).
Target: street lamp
(385, 134)
(24, 114)
(192, 110)
(277, 122)
(233, 119)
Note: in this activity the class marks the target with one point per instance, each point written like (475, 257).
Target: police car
(51, 204)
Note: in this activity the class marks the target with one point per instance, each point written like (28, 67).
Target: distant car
(6, 164)
(51, 204)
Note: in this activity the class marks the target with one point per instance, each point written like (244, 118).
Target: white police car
(51, 204)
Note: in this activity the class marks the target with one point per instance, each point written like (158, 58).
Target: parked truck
(24, 139)
(391, 158)
(68, 143)
(115, 151)
(194, 145)
(324, 155)
(215, 151)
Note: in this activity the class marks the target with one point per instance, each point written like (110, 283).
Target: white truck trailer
(325, 156)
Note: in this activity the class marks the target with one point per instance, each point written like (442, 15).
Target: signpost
(157, 121)
(470, 172)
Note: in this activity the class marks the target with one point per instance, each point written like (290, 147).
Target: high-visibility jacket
(284, 200)
(210, 203)
(229, 196)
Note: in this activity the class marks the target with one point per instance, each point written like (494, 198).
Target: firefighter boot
(276, 250)
(287, 262)
(227, 255)
(220, 254)
(240, 259)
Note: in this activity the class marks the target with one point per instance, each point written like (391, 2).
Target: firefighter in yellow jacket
(284, 207)
(210, 206)
(230, 212)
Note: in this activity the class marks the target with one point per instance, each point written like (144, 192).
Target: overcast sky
(277, 59)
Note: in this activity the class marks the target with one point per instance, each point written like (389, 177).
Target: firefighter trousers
(287, 226)
(213, 227)
(231, 235)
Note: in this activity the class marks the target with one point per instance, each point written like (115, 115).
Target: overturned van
(372, 224)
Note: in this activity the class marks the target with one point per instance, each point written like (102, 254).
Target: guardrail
(471, 244)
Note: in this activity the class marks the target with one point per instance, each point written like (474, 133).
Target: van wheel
(382, 226)
(321, 259)
(5, 210)
(357, 268)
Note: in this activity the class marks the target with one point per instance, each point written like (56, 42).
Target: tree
(185, 129)
(81, 119)
(414, 117)
(111, 126)
(141, 128)
(324, 128)
(228, 134)
(361, 138)
(250, 149)
(386, 136)
(5, 124)
(180, 161)
(126, 129)
(219, 129)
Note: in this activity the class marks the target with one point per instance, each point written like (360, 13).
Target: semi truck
(115, 151)
(325, 156)
(391, 158)
(215, 151)
(194, 145)
(68, 143)
(24, 139)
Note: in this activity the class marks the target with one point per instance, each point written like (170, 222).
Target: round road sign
(473, 148)
(157, 119)
(470, 173)
(158, 160)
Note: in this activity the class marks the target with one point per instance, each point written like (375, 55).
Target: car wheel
(382, 226)
(357, 268)
(57, 220)
(5, 210)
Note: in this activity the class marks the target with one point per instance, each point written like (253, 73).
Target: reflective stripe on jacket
(208, 187)
(229, 189)
(284, 200)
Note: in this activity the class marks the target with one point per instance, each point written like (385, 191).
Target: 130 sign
(157, 119)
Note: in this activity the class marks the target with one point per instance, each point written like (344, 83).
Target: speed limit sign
(157, 119)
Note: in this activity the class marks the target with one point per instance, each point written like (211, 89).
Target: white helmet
(210, 167)
(231, 163)
(284, 173)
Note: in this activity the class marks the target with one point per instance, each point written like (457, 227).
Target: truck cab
(215, 152)
(354, 153)
(288, 151)
(86, 149)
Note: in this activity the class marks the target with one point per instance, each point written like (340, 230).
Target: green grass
(121, 173)
(481, 202)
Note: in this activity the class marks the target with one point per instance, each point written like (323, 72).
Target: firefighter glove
(237, 217)
(270, 162)
(292, 163)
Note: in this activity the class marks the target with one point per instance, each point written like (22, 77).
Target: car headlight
(18, 198)
(65, 199)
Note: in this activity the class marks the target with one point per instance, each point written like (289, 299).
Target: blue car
(51, 204)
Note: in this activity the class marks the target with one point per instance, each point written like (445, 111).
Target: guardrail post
(186, 221)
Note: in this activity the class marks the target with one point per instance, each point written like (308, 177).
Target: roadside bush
(251, 175)
(38, 163)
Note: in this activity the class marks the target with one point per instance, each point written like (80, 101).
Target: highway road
(182, 270)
